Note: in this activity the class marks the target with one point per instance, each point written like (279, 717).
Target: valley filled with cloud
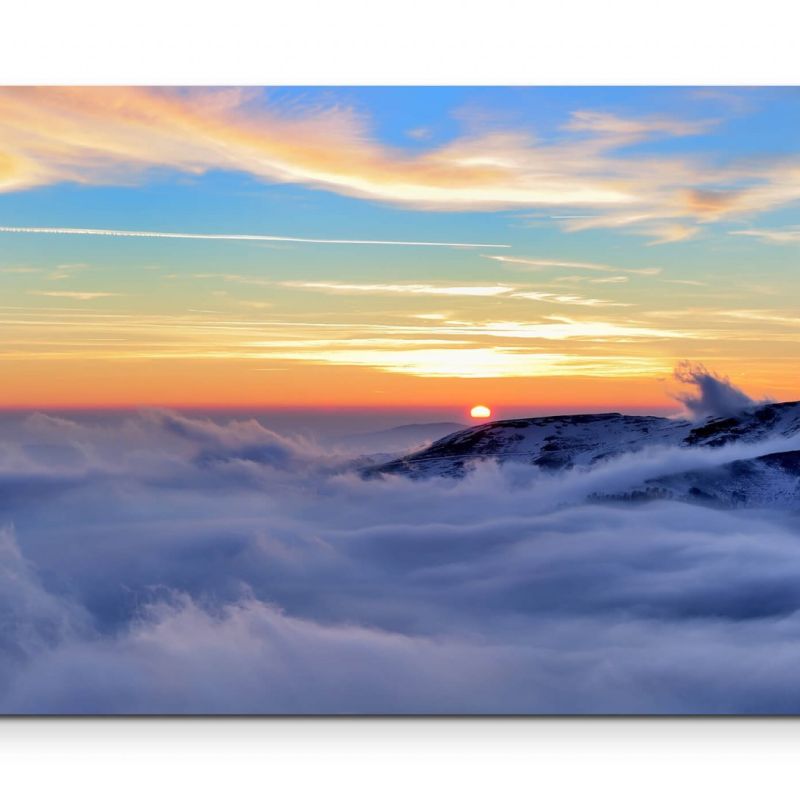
(155, 562)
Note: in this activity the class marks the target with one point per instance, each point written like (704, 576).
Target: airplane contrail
(232, 237)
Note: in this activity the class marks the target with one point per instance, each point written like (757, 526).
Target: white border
(359, 42)
(307, 42)
(390, 759)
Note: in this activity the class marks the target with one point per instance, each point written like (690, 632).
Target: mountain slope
(772, 480)
(582, 440)
(756, 424)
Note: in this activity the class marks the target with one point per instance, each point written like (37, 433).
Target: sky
(421, 248)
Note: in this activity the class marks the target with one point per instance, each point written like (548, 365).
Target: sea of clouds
(156, 563)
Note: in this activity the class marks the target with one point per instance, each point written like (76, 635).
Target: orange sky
(232, 384)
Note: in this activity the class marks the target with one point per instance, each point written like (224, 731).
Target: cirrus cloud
(106, 135)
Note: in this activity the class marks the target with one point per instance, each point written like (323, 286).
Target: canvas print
(399, 400)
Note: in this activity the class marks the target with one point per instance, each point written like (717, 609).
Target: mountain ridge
(568, 441)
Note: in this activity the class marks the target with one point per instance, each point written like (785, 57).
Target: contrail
(232, 237)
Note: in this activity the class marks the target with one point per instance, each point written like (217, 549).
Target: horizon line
(315, 409)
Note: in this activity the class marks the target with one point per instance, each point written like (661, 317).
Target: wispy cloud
(78, 295)
(106, 135)
(228, 277)
(569, 299)
(493, 340)
(611, 279)
(103, 135)
(491, 290)
(776, 236)
(244, 237)
(546, 263)
(605, 123)
(768, 316)
(562, 328)
(483, 362)
(64, 271)
(673, 232)
(682, 282)
(401, 288)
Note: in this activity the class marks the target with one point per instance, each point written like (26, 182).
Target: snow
(584, 441)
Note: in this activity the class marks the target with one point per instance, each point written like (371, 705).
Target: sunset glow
(324, 246)
(480, 412)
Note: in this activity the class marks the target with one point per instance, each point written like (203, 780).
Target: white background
(414, 41)
(386, 759)
(496, 42)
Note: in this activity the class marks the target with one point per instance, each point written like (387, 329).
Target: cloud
(568, 299)
(92, 135)
(401, 288)
(557, 328)
(19, 270)
(117, 135)
(141, 577)
(64, 271)
(476, 362)
(242, 237)
(611, 279)
(710, 205)
(716, 397)
(543, 263)
(239, 441)
(682, 282)
(458, 348)
(495, 290)
(420, 134)
(775, 236)
(521, 337)
(761, 315)
(676, 232)
(77, 295)
(635, 129)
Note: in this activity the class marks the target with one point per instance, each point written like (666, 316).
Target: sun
(480, 412)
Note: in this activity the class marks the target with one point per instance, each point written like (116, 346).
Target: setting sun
(480, 412)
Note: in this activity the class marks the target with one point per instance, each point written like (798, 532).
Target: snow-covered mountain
(585, 440)
(772, 480)
(558, 442)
